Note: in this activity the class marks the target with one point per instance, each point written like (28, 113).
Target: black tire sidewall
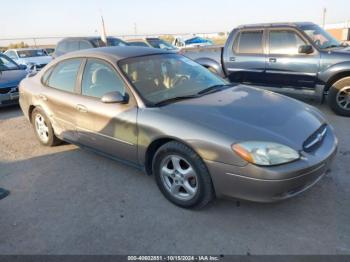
(332, 96)
(52, 139)
(205, 190)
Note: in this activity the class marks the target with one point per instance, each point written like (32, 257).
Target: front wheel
(182, 176)
(339, 97)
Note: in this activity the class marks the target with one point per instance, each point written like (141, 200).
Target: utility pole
(324, 17)
(135, 29)
(103, 31)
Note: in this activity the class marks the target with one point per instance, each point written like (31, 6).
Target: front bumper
(270, 184)
(9, 99)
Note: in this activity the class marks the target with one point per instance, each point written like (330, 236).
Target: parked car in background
(299, 59)
(71, 44)
(33, 58)
(152, 42)
(50, 51)
(190, 42)
(164, 113)
(10, 76)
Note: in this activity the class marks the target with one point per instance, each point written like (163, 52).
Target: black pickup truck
(297, 59)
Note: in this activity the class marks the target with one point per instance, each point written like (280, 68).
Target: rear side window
(284, 42)
(84, 45)
(61, 47)
(64, 75)
(249, 42)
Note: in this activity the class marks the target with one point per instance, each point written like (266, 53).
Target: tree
(167, 38)
(18, 45)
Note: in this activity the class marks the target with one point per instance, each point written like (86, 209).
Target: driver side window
(285, 42)
(100, 78)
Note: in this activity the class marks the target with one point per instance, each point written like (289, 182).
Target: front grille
(7, 90)
(315, 140)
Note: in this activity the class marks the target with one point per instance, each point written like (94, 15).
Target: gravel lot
(65, 200)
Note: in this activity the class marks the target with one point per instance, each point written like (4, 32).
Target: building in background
(341, 31)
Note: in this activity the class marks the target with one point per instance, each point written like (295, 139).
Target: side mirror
(306, 49)
(115, 97)
(22, 67)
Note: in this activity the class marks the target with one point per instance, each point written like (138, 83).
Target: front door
(245, 63)
(109, 128)
(285, 66)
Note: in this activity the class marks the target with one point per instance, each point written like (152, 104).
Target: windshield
(6, 64)
(320, 37)
(159, 43)
(162, 77)
(31, 53)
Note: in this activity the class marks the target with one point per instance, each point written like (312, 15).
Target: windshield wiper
(213, 89)
(332, 46)
(174, 99)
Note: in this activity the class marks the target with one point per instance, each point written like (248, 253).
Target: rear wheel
(43, 128)
(339, 97)
(182, 176)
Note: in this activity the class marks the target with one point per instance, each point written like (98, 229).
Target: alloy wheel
(343, 98)
(178, 177)
(41, 128)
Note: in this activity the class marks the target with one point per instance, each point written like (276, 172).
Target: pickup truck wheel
(339, 97)
(43, 128)
(182, 176)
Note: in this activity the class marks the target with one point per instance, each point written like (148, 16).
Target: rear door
(246, 60)
(58, 98)
(109, 128)
(285, 67)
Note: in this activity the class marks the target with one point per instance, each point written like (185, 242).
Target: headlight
(265, 153)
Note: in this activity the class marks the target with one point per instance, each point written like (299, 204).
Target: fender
(336, 69)
(208, 62)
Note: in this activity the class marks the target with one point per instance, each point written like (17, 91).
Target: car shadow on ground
(10, 112)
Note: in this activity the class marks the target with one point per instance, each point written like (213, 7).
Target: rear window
(143, 44)
(249, 42)
(31, 53)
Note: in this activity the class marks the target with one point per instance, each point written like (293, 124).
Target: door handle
(272, 60)
(81, 108)
(43, 97)
(232, 59)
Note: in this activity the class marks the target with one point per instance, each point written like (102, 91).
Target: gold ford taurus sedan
(198, 135)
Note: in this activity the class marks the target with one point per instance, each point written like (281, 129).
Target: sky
(44, 18)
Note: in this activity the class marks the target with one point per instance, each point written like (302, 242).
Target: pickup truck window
(249, 42)
(285, 42)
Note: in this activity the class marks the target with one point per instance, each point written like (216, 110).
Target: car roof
(281, 24)
(86, 38)
(117, 52)
(25, 49)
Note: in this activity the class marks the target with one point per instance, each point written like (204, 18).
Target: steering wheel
(180, 80)
(317, 42)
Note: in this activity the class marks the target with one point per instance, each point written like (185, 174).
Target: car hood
(244, 114)
(11, 78)
(35, 60)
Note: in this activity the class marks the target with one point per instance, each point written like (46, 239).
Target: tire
(339, 97)
(38, 116)
(182, 176)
